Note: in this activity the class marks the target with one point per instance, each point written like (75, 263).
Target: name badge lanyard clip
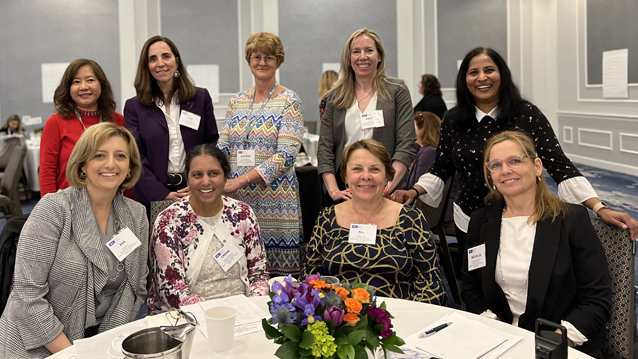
(251, 121)
(77, 113)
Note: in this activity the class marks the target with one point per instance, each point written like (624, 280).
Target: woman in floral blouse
(194, 237)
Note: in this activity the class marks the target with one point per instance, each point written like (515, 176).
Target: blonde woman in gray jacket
(365, 104)
(69, 283)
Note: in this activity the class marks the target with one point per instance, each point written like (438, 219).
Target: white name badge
(189, 120)
(363, 234)
(476, 257)
(228, 255)
(123, 243)
(372, 120)
(246, 158)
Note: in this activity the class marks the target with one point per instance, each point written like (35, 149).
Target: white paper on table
(334, 66)
(615, 73)
(29, 121)
(206, 76)
(51, 76)
(248, 319)
(97, 347)
(478, 339)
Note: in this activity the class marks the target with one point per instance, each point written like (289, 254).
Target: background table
(410, 317)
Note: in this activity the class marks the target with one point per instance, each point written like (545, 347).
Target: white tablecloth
(410, 317)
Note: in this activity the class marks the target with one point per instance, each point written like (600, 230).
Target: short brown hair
(267, 43)
(376, 148)
(430, 85)
(145, 84)
(64, 104)
(88, 145)
(546, 204)
(430, 126)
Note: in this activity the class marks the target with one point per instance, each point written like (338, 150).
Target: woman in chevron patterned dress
(262, 136)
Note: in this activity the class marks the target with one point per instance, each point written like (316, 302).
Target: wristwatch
(600, 205)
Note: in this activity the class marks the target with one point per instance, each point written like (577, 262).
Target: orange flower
(361, 295)
(353, 306)
(319, 284)
(343, 293)
(351, 318)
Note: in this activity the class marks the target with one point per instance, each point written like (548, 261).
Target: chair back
(156, 208)
(12, 172)
(436, 215)
(620, 251)
(8, 249)
(10, 144)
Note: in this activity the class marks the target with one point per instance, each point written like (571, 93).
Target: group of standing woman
(236, 190)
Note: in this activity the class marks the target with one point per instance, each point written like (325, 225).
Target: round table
(410, 317)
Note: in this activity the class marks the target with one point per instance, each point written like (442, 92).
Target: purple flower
(335, 314)
(311, 278)
(283, 292)
(283, 313)
(381, 316)
(310, 317)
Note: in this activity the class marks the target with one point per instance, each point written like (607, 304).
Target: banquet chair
(6, 155)
(436, 219)
(620, 251)
(10, 197)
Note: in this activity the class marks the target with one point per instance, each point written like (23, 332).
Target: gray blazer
(61, 270)
(397, 135)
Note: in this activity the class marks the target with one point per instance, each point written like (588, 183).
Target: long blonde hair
(344, 91)
(328, 79)
(546, 204)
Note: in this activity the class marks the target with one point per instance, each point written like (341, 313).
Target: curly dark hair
(64, 104)
(430, 85)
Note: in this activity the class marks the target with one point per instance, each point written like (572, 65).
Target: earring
(539, 179)
(82, 175)
(128, 175)
(346, 185)
(176, 74)
(494, 187)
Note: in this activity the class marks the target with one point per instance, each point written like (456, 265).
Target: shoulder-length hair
(430, 85)
(88, 145)
(376, 148)
(11, 119)
(430, 126)
(546, 204)
(146, 86)
(327, 81)
(509, 98)
(267, 43)
(344, 91)
(64, 104)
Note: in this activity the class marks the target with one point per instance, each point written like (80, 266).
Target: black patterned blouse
(463, 152)
(401, 264)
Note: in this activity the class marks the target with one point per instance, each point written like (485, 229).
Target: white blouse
(176, 152)
(354, 132)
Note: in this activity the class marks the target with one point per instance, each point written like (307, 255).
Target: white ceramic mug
(220, 325)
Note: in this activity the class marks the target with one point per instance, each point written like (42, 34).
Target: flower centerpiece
(317, 320)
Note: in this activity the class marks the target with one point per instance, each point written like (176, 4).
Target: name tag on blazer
(123, 244)
(189, 120)
(476, 257)
(372, 120)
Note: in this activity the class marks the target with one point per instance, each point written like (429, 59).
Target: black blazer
(568, 274)
(432, 103)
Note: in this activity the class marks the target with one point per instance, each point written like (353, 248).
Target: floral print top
(177, 250)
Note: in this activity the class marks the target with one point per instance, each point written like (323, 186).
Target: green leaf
(349, 351)
(383, 306)
(304, 352)
(340, 339)
(379, 327)
(355, 337)
(372, 338)
(288, 350)
(307, 339)
(271, 332)
(330, 325)
(341, 352)
(393, 348)
(362, 324)
(291, 332)
(360, 353)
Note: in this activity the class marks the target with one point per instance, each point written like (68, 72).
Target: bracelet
(598, 206)
(247, 179)
(417, 192)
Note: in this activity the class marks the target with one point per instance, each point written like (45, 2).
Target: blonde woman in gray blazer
(363, 83)
(67, 283)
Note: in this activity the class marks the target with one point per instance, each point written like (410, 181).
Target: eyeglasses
(512, 161)
(176, 315)
(257, 58)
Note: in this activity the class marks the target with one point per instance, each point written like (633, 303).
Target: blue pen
(434, 330)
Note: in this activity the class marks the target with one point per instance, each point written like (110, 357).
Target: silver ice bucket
(168, 342)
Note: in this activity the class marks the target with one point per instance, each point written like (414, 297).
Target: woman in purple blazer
(168, 117)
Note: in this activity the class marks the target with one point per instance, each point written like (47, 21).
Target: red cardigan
(58, 139)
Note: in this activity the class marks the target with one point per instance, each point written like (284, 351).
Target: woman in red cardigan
(83, 99)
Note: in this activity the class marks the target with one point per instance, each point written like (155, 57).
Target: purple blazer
(148, 126)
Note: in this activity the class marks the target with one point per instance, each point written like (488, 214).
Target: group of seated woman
(543, 258)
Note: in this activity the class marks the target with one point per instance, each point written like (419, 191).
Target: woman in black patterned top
(488, 102)
(398, 256)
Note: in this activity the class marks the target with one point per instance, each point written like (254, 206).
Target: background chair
(10, 144)
(436, 218)
(8, 248)
(620, 252)
(156, 208)
(10, 197)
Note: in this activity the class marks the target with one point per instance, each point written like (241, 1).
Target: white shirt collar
(480, 114)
